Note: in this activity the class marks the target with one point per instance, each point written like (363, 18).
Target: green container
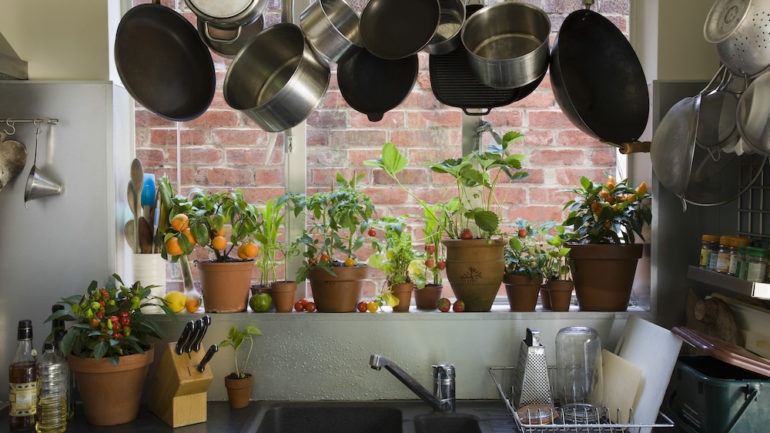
(705, 395)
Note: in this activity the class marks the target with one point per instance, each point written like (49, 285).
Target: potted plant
(558, 286)
(108, 348)
(268, 231)
(394, 255)
(605, 219)
(525, 257)
(201, 219)
(338, 221)
(238, 382)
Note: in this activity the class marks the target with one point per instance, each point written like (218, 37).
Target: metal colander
(741, 31)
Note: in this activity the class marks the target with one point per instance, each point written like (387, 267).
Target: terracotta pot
(337, 293)
(545, 301)
(111, 393)
(403, 292)
(559, 292)
(604, 275)
(239, 390)
(225, 286)
(522, 291)
(427, 297)
(283, 295)
(475, 270)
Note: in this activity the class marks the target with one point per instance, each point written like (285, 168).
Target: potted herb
(525, 258)
(558, 286)
(605, 219)
(201, 219)
(239, 383)
(268, 232)
(394, 255)
(108, 348)
(337, 223)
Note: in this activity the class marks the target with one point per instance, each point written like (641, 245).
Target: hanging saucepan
(277, 79)
(372, 85)
(395, 29)
(227, 22)
(507, 44)
(753, 113)
(331, 27)
(163, 63)
(453, 83)
(739, 29)
(598, 81)
(450, 23)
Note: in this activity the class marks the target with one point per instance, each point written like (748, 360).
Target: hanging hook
(11, 125)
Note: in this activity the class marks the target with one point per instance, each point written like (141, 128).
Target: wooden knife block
(177, 394)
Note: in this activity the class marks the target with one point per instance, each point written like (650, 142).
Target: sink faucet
(443, 397)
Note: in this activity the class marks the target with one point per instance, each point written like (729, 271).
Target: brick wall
(224, 149)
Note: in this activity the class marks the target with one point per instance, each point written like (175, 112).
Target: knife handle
(207, 357)
(184, 337)
(206, 322)
(191, 341)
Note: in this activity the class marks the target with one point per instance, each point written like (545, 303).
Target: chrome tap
(443, 397)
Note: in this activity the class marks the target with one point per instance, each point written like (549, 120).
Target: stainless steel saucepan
(331, 27)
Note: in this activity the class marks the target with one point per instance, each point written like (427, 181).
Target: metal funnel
(40, 185)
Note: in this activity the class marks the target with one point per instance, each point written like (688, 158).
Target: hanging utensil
(397, 29)
(753, 113)
(13, 157)
(716, 118)
(331, 27)
(227, 26)
(227, 42)
(739, 29)
(450, 24)
(39, 184)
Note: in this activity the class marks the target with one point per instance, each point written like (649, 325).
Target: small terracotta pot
(604, 275)
(225, 286)
(545, 300)
(474, 269)
(403, 292)
(427, 297)
(522, 292)
(560, 294)
(283, 295)
(111, 393)
(337, 293)
(239, 390)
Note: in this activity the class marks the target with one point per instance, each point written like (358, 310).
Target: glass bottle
(579, 379)
(22, 381)
(723, 257)
(736, 255)
(705, 249)
(53, 375)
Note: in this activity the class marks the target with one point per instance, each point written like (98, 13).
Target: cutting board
(621, 385)
(654, 350)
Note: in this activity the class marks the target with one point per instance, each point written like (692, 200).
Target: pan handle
(632, 147)
(477, 113)
(218, 40)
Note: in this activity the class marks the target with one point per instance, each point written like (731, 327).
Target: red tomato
(444, 305)
(466, 234)
(324, 258)
(441, 265)
(299, 307)
(430, 249)
(522, 233)
(459, 306)
(310, 307)
(430, 263)
(303, 301)
(372, 232)
(361, 307)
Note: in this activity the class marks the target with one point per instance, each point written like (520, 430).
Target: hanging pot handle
(218, 40)
(481, 112)
(287, 11)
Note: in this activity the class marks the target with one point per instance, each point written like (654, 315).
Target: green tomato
(89, 314)
(112, 302)
(95, 305)
(260, 302)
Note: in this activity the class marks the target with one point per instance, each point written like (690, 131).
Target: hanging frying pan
(163, 63)
(372, 85)
(598, 81)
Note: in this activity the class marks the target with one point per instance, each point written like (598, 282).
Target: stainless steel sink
(328, 419)
(446, 423)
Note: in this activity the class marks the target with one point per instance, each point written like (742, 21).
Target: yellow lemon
(175, 300)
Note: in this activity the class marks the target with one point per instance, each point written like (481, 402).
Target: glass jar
(723, 256)
(756, 264)
(705, 249)
(735, 256)
(579, 378)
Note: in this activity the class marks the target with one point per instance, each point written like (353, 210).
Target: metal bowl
(450, 23)
(331, 27)
(507, 44)
(739, 28)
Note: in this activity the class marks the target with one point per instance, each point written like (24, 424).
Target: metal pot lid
(221, 8)
(723, 18)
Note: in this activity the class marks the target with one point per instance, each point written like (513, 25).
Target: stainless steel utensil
(739, 28)
(716, 118)
(331, 27)
(207, 357)
(227, 42)
(39, 184)
(507, 44)
(450, 24)
(753, 113)
(531, 385)
(227, 14)
(184, 337)
(13, 158)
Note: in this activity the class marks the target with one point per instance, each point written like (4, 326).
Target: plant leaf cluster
(235, 338)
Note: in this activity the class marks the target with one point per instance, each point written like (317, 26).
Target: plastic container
(705, 249)
(705, 395)
(755, 268)
(54, 382)
(735, 257)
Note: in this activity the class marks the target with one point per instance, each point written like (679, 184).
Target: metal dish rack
(566, 422)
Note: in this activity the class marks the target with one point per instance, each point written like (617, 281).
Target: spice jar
(755, 264)
(723, 255)
(707, 244)
(735, 256)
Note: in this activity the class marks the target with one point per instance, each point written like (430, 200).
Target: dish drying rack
(571, 421)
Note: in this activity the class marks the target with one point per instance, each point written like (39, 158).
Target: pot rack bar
(48, 120)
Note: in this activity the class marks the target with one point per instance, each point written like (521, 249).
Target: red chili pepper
(100, 315)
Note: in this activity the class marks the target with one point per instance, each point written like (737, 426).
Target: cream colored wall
(61, 40)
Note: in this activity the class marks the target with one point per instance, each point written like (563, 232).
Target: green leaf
(252, 330)
(67, 341)
(587, 184)
(393, 160)
(486, 220)
(200, 232)
(100, 350)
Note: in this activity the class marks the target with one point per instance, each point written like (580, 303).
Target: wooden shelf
(730, 283)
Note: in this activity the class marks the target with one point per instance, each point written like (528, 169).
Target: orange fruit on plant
(219, 243)
(251, 249)
(192, 304)
(350, 262)
(179, 222)
(189, 235)
(642, 188)
(173, 248)
(221, 232)
(242, 252)
(610, 182)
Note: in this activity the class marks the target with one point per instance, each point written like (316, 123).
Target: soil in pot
(337, 293)
(560, 294)
(427, 297)
(238, 390)
(522, 291)
(225, 286)
(403, 292)
(604, 275)
(111, 393)
(475, 270)
(283, 295)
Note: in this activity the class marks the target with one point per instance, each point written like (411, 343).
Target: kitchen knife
(180, 343)
(199, 340)
(207, 357)
(196, 330)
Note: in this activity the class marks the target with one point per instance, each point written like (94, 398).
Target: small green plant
(556, 266)
(235, 339)
(394, 255)
(609, 213)
(535, 250)
(271, 218)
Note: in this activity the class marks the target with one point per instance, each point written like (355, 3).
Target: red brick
(358, 138)
(326, 157)
(317, 137)
(504, 117)
(536, 99)
(386, 195)
(421, 99)
(533, 137)
(621, 22)
(576, 138)
(261, 195)
(269, 176)
(333, 99)
(356, 157)
(234, 177)
(423, 80)
(548, 195)
(546, 83)
(439, 194)
(603, 156)
(147, 118)
(418, 156)
(621, 7)
(197, 155)
(556, 157)
(215, 119)
(391, 119)
(150, 157)
(408, 176)
(326, 118)
(240, 137)
(196, 137)
(441, 179)
(327, 176)
(548, 119)
(253, 156)
(536, 213)
(423, 119)
(510, 194)
(420, 137)
(562, 6)
(570, 177)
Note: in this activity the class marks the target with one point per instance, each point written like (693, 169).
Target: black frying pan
(372, 85)
(598, 80)
(163, 63)
(395, 29)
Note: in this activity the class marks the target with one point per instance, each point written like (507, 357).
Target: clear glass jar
(756, 264)
(579, 378)
(735, 255)
(723, 256)
(705, 249)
